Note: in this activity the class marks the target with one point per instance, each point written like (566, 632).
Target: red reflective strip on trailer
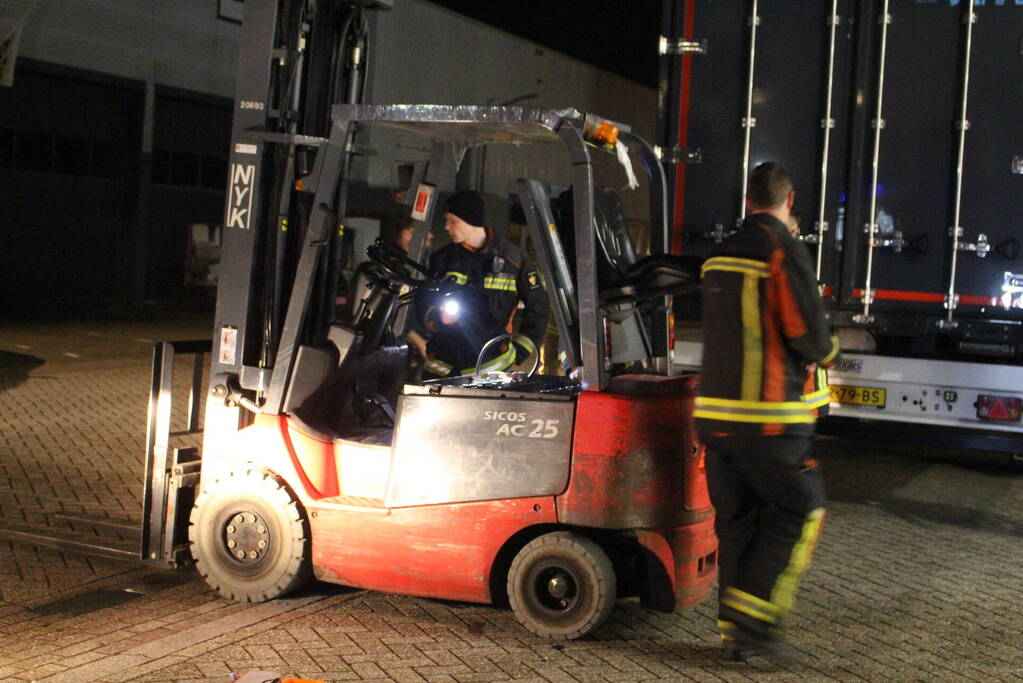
(683, 127)
(928, 297)
(973, 300)
(901, 295)
(827, 291)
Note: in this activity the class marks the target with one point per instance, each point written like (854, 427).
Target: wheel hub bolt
(231, 543)
(230, 528)
(262, 543)
(557, 587)
(241, 554)
(253, 555)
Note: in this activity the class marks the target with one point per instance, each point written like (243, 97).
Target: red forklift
(558, 492)
(323, 455)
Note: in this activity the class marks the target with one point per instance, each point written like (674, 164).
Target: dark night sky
(617, 35)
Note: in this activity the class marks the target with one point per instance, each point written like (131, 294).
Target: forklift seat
(615, 253)
(656, 275)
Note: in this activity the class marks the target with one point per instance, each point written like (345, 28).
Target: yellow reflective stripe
(821, 396)
(729, 410)
(502, 362)
(736, 265)
(460, 278)
(752, 340)
(784, 594)
(834, 350)
(726, 629)
(750, 405)
(759, 418)
(817, 399)
(503, 283)
(751, 605)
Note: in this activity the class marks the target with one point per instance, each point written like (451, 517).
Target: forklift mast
(297, 58)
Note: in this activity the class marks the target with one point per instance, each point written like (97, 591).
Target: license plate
(858, 396)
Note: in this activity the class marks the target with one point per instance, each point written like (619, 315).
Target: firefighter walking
(764, 327)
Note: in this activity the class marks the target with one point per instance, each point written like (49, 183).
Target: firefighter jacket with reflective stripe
(818, 393)
(491, 281)
(763, 322)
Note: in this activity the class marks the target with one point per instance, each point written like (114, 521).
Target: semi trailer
(900, 122)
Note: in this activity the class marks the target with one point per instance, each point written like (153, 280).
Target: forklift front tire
(249, 537)
(561, 585)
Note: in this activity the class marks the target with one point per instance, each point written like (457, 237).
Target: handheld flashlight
(451, 307)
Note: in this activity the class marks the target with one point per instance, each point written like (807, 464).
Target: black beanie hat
(467, 205)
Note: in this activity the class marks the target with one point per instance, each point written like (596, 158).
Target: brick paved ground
(917, 577)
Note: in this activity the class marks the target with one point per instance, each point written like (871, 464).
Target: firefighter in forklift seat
(492, 275)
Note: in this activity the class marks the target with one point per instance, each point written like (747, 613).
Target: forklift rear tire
(249, 537)
(561, 585)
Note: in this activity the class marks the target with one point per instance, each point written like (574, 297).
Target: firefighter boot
(741, 643)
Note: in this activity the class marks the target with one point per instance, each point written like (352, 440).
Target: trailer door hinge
(681, 46)
(679, 155)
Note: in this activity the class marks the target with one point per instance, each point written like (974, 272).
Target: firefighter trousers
(768, 496)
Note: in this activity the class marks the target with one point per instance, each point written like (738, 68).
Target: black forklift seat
(614, 246)
(656, 275)
(621, 276)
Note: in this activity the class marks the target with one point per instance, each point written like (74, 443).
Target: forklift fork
(171, 473)
(171, 477)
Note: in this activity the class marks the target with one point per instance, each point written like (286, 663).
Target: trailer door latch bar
(681, 46)
(679, 155)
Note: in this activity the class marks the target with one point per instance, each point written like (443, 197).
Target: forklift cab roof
(576, 237)
(460, 125)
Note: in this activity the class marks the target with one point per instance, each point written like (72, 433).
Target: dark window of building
(214, 172)
(71, 156)
(33, 151)
(185, 169)
(107, 159)
(161, 167)
(6, 148)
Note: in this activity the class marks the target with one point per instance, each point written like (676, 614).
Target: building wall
(177, 43)
(174, 63)
(421, 53)
(425, 54)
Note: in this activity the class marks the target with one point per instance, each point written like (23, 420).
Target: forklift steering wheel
(394, 262)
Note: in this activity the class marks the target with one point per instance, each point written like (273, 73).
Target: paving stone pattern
(917, 576)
